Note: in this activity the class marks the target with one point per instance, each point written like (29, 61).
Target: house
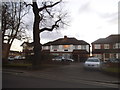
(106, 48)
(27, 48)
(14, 53)
(68, 48)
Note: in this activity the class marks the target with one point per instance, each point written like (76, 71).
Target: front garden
(111, 69)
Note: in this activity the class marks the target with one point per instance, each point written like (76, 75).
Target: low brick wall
(113, 65)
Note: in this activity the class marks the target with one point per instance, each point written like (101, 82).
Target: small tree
(12, 25)
(46, 17)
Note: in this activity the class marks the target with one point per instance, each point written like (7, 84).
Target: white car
(58, 58)
(92, 63)
(11, 58)
(19, 57)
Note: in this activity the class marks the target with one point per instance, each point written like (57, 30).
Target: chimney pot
(65, 37)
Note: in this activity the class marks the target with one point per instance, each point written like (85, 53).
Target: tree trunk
(5, 52)
(36, 37)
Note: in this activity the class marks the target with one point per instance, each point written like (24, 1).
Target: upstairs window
(116, 46)
(106, 46)
(97, 46)
(76, 46)
(55, 47)
(66, 46)
(83, 47)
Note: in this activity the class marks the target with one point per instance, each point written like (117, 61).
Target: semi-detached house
(67, 47)
(105, 48)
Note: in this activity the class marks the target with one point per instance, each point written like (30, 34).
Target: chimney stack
(65, 37)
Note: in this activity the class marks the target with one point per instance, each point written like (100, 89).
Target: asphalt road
(65, 76)
(15, 81)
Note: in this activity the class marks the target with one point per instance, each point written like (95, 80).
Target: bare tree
(47, 17)
(12, 25)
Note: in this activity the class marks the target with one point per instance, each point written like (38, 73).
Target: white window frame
(106, 46)
(55, 47)
(116, 46)
(76, 46)
(97, 46)
(83, 47)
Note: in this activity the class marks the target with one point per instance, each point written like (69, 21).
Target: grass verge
(112, 69)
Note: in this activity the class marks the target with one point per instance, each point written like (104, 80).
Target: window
(55, 47)
(76, 46)
(98, 55)
(97, 46)
(83, 46)
(66, 46)
(30, 48)
(106, 46)
(116, 46)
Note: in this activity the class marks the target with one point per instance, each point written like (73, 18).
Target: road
(66, 76)
(15, 81)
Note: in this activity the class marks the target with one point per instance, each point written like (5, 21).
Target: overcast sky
(90, 20)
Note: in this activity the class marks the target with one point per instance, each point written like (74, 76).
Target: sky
(89, 21)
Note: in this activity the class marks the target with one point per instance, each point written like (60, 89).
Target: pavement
(70, 73)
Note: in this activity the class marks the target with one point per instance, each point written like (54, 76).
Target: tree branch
(49, 13)
(53, 26)
(28, 4)
(49, 6)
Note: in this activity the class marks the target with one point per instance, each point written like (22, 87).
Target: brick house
(27, 48)
(106, 48)
(69, 48)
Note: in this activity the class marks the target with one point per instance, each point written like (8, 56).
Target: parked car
(113, 60)
(11, 58)
(18, 57)
(92, 63)
(60, 58)
(68, 59)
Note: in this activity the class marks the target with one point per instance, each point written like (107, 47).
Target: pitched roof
(109, 39)
(28, 44)
(66, 41)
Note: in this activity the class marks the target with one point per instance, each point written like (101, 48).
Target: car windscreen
(92, 60)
